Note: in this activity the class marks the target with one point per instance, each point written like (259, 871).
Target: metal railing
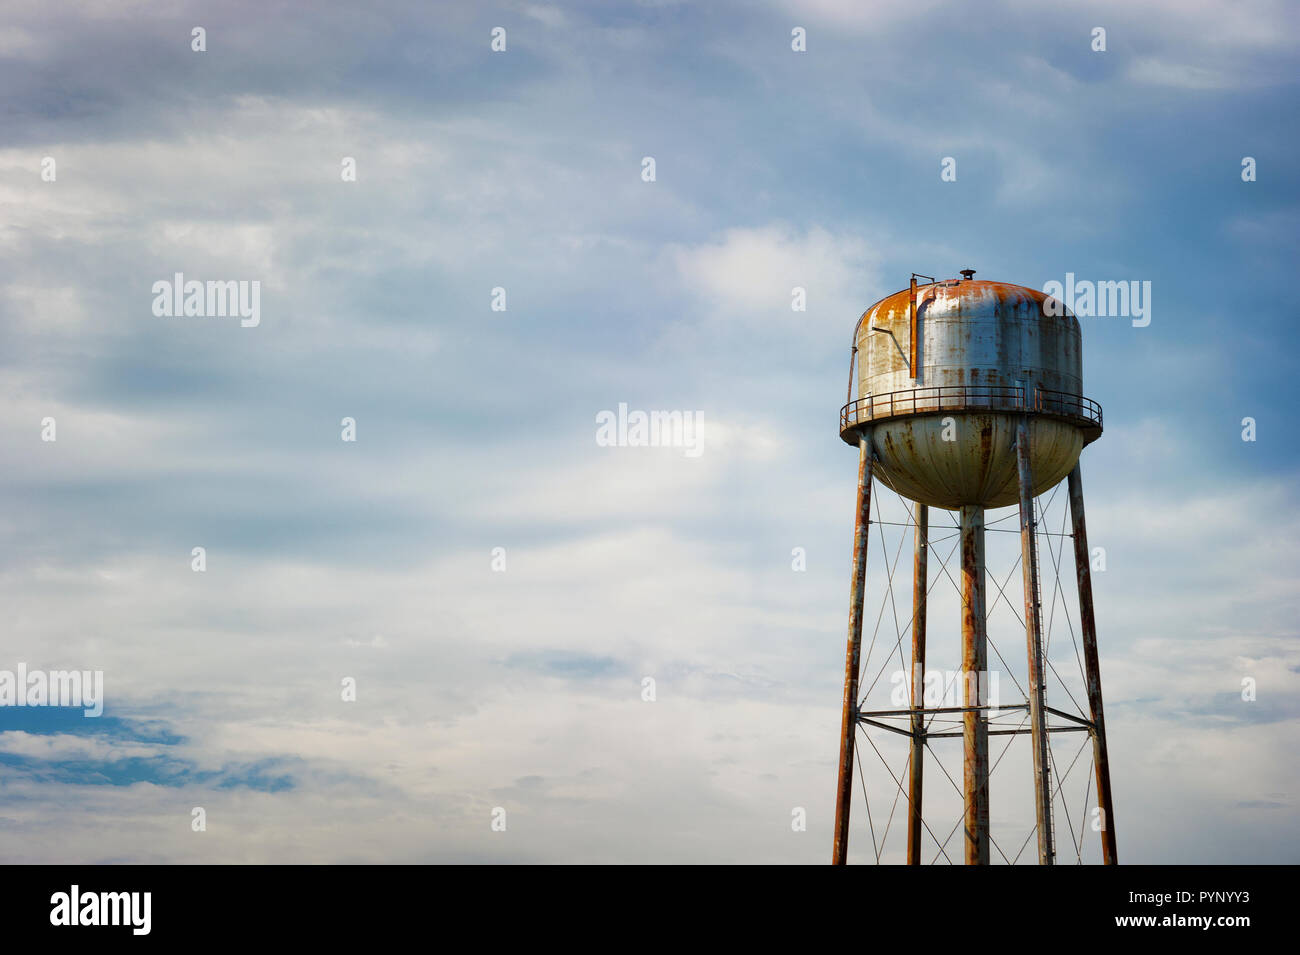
(969, 398)
(1068, 405)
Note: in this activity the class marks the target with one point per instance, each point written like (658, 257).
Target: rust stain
(1004, 294)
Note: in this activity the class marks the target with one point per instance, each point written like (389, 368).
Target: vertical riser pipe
(920, 580)
(974, 641)
(1034, 651)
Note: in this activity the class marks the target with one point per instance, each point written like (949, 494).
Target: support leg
(920, 581)
(1088, 625)
(848, 726)
(974, 657)
(1034, 648)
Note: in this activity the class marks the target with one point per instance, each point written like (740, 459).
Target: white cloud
(747, 274)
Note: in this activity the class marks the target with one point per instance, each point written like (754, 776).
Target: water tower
(971, 398)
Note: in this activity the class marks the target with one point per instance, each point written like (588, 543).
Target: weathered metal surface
(970, 333)
(853, 655)
(970, 459)
(1092, 667)
(920, 581)
(1076, 409)
(1086, 724)
(942, 414)
(1034, 649)
(974, 661)
(946, 709)
(911, 330)
(863, 718)
(1015, 732)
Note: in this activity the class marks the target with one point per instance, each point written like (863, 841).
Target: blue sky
(522, 170)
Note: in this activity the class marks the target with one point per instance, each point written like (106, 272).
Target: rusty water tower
(970, 396)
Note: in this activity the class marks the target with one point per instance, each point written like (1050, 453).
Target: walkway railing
(969, 398)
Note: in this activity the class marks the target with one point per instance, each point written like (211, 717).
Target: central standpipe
(1034, 648)
(853, 654)
(920, 580)
(974, 664)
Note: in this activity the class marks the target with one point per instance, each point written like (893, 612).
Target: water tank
(944, 371)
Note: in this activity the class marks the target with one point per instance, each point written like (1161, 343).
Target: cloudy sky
(373, 560)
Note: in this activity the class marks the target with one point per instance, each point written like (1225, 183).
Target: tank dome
(944, 371)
